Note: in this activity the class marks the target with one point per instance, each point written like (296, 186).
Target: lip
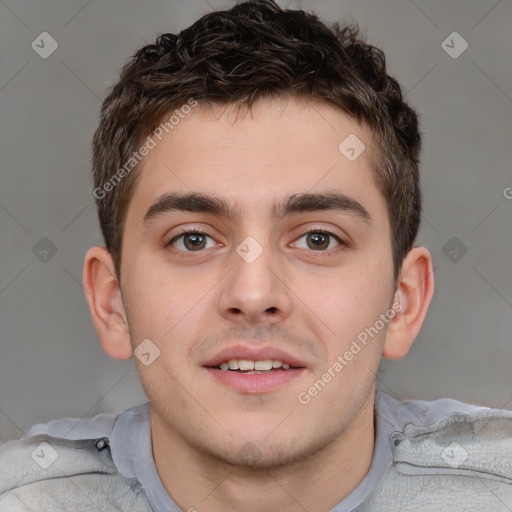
(254, 354)
(256, 383)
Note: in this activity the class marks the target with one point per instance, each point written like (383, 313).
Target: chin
(258, 453)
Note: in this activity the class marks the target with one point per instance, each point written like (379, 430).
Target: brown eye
(191, 241)
(320, 241)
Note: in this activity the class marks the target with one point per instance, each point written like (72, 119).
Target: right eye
(191, 241)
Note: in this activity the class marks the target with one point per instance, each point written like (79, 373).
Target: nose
(255, 290)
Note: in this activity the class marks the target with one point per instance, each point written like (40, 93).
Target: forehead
(254, 158)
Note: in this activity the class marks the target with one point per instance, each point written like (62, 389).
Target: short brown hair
(250, 51)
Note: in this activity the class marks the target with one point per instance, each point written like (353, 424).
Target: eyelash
(320, 231)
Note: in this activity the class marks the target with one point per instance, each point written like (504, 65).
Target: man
(256, 178)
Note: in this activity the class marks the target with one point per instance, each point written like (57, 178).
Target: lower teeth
(250, 372)
(253, 371)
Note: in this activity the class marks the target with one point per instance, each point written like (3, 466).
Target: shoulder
(460, 461)
(420, 412)
(478, 441)
(43, 471)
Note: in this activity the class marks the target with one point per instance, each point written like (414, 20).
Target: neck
(199, 482)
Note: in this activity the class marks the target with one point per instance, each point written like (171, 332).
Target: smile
(245, 365)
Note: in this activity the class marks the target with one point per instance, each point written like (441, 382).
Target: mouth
(249, 367)
(254, 371)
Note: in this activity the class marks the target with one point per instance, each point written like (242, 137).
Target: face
(254, 276)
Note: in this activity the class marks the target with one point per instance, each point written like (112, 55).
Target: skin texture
(294, 296)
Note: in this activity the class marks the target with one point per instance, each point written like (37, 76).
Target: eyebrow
(294, 203)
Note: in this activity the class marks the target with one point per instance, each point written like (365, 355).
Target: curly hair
(236, 56)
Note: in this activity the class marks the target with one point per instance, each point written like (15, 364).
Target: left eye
(320, 240)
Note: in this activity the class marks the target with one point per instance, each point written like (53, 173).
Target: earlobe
(103, 295)
(412, 298)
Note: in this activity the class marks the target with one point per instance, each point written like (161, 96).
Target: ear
(414, 292)
(105, 302)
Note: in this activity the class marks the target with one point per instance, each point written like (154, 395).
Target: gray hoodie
(429, 456)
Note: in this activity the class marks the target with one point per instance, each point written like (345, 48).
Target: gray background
(51, 363)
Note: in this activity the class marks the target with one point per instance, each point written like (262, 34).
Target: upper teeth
(244, 364)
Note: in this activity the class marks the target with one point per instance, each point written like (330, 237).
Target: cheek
(350, 303)
(155, 286)
(169, 306)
